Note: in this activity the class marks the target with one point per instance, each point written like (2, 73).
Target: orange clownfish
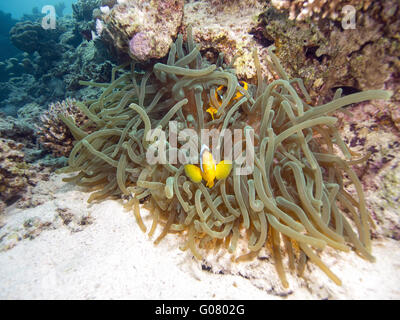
(219, 95)
(208, 169)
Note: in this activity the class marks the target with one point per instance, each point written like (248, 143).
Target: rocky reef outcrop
(30, 36)
(225, 27)
(303, 9)
(15, 173)
(143, 29)
(315, 43)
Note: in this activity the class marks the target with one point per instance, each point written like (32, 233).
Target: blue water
(19, 7)
(33, 66)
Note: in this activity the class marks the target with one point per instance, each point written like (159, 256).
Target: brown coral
(15, 174)
(53, 134)
(326, 55)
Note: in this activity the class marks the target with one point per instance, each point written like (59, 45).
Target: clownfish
(219, 94)
(208, 169)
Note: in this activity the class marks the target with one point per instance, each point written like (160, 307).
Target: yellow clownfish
(208, 169)
(219, 94)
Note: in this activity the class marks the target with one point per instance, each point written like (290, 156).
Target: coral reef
(80, 47)
(372, 130)
(22, 160)
(302, 9)
(222, 27)
(107, 132)
(15, 173)
(52, 65)
(317, 49)
(83, 13)
(44, 47)
(385, 201)
(21, 90)
(30, 37)
(14, 67)
(350, 58)
(53, 134)
(83, 9)
(143, 29)
(394, 111)
(87, 62)
(21, 129)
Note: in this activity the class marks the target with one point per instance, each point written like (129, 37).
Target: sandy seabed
(64, 248)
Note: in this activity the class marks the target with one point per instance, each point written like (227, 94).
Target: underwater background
(20, 7)
(346, 46)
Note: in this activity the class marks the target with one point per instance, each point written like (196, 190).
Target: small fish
(212, 111)
(208, 169)
(219, 95)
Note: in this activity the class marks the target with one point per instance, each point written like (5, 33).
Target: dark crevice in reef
(271, 14)
(311, 53)
(359, 51)
(259, 36)
(211, 54)
(346, 90)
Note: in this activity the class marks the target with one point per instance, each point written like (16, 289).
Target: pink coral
(139, 46)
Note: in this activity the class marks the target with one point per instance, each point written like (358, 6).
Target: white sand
(110, 258)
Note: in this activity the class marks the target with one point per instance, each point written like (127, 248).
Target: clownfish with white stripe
(208, 170)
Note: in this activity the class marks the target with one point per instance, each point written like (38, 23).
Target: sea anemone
(292, 201)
